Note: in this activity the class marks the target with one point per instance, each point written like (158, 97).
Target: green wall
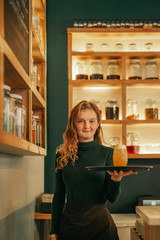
(60, 16)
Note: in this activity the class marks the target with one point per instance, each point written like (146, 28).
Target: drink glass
(120, 156)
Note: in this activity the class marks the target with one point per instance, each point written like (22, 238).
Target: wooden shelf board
(132, 122)
(11, 144)
(42, 216)
(37, 101)
(95, 82)
(145, 156)
(108, 55)
(113, 30)
(106, 82)
(111, 121)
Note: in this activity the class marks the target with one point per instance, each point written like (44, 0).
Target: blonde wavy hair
(68, 150)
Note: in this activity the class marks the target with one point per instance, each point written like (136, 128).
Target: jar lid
(94, 101)
(16, 96)
(36, 117)
(81, 62)
(151, 60)
(113, 60)
(96, 60)
(135, 60)
(112, 101)
(6, 87)
(131, 100)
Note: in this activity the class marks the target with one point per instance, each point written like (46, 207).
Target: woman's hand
(117, 176)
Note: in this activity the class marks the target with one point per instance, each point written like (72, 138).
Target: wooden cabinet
(151, 221)
(123, 45)
(20, 47)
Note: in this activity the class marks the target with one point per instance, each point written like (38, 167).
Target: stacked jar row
(14, 113)
(112, 109)
(100, 69)
(14, 117)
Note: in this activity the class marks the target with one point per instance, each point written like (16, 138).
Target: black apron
(93, 222)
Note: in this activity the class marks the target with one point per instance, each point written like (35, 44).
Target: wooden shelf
(118, 89)
(16, 72)
(108, 55)
(113, 30)
(14, 145)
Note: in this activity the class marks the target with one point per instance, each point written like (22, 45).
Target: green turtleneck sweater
(82, 186)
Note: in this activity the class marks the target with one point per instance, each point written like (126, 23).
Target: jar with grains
(151, 109)
(96, 69)
(134, 69)
(113, 69)
(112, 109)
(80, 69)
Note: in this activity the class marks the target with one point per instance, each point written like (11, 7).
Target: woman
(85, 215)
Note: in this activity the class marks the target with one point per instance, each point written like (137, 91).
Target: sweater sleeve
(57, 203)
(113, 189)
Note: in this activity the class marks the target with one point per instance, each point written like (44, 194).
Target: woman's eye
(79, 121)
(92, 121)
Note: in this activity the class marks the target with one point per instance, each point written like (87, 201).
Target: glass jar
(89, 47)
(23, 122)
(97, 102)
(151, 109)
(114, 141)
(38, 82)
(34, 75)
(35, 19)
(80, 68)
(113, 69)
(38, 132)
(132, 110)
(132, 143)
(12, 115)
(7, 108)
(134, 69)
(96, 69)
(112, 109)
(18, 115)
(40, 36)
(104, 47)
(151, 69)
(34, 128)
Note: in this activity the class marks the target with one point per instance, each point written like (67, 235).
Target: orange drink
(120, 156)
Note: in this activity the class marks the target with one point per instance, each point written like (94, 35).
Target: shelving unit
(123, 89)
(16, 70)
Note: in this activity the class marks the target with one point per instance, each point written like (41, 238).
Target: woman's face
(86, 125)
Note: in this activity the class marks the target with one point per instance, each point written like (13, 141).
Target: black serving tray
(112, 168)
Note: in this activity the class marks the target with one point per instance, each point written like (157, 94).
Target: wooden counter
(151, 218)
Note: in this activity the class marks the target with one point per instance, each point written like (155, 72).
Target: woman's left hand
(117, 176)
